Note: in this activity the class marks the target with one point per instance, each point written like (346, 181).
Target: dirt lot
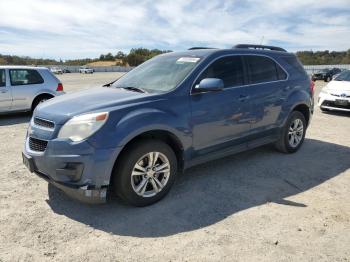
(74, 82)
(256, 206)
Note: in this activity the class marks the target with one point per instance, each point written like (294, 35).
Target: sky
(63, 29)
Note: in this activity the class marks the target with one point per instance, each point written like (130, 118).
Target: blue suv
(177, 110)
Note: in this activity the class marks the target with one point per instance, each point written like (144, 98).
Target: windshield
(343, 76)
(160, 74)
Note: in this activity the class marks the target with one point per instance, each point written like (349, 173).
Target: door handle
(4, 91)
(243, 97)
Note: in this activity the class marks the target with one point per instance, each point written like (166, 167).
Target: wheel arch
(299, 100)
(38, 97)
(305, 110)
(163, 135)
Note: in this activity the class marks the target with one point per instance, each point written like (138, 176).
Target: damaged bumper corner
(87, 193)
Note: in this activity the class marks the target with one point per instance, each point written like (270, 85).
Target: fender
(298, 97)
(144, 120)
(135, 122)
(131, 122)
(149, 119)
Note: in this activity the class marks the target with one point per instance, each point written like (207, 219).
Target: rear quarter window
(2, 77)
(263, 69)
(294, 63)
(25, 77)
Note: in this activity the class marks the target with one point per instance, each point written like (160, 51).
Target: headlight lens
(83, 126)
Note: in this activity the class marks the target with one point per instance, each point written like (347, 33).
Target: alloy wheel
(296, 132)
(150, 174)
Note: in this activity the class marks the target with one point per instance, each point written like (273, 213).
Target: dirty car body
(202, 125)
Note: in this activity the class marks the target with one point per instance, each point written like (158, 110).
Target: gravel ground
(75, 82)
(258, 205)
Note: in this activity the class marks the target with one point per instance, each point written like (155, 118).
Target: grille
(333, 104)
(37, 144)
(340, 95)
(44, 123)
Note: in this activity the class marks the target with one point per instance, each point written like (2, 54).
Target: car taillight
(59, 87)
(312, 87)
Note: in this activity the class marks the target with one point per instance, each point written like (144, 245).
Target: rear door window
(2, 77)
(229, 69)
(25, 77)
(263, 69)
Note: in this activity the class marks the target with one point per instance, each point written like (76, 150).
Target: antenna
(262, 40)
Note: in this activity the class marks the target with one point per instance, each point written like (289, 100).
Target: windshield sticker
(187, 60)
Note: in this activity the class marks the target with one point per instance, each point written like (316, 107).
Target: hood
(338, 85)
(62, 108)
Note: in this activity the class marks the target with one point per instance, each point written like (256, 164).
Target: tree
(109, 57)
(324, 57)
(120, 55)
(139, 55)
(134, 59)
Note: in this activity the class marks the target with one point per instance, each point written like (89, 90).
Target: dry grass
(102, 63)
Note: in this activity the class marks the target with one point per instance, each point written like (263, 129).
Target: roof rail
(199, 47)
(263, 47)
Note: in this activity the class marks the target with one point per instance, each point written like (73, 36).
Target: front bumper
(334, 102)
(78, 169)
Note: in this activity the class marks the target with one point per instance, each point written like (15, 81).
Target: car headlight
(80, 127)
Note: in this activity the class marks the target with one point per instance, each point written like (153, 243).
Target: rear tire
(40, 99)
(293, 133)
(145, 172)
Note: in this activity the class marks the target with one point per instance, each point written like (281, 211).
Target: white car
(336, 94)
(22, 88)
(56, 70)
(86, 70)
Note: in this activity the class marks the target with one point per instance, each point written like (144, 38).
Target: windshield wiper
(109, 84)
(135, 89)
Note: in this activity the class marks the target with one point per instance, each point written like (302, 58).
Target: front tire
(293, 133)
(145, 172)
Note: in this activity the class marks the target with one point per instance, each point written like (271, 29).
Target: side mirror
(209, 85)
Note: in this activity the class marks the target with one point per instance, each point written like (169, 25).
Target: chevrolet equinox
(177, 110)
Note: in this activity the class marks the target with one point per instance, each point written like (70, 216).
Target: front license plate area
(341, 102)
(28, 162)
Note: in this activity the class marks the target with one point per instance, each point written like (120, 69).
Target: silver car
(22, 88)
(86, 70)
(56, 70)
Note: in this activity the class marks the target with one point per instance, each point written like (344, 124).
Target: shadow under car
(209, 193)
